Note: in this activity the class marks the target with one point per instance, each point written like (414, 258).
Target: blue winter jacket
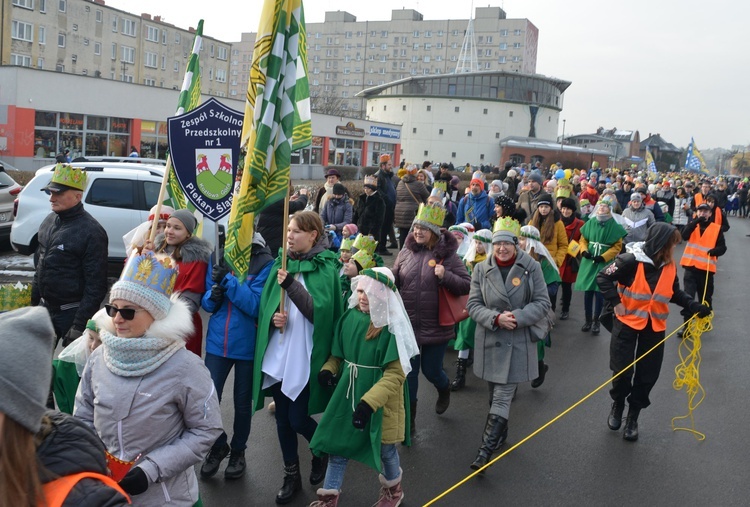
(233, 325)
(476, 209)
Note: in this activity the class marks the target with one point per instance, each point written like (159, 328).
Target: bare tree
(327, 102)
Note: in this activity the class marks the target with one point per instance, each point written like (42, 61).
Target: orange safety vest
(56, 492)
(640, 304)
(696, 251)
(698, 199)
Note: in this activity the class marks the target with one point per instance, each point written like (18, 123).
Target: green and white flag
(190, 98)
(277, 122)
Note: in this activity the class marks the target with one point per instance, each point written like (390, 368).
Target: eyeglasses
(505, 244)
(125, 313)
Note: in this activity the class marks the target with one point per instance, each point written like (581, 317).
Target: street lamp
(562, 139)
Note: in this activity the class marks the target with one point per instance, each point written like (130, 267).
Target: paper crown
(441, 185)
(364, 259)
(507, 224)
(584, 202)
(346, 244)
(436, 192)
(366, 243)
(73, 177)
(385, 158)
(147, 281)
(432, 215)
(371, 180)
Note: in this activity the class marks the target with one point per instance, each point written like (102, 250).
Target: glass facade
(83, 135)
(487, 86)
(377, 149)
(154, 142)
(344, 152)
(313, 154)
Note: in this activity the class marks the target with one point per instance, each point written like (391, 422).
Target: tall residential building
(88, 37)
(242, 60)
(346, 56)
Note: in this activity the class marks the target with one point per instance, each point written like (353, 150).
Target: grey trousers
(500, 397)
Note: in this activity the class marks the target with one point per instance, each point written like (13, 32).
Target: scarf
(136, 357)
(567, 220)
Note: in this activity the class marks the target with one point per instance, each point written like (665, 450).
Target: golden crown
(441, 185)
(434, 215)
(364, 259)
(507, 224)
(366, 243)
(73, 177)
(371, 180)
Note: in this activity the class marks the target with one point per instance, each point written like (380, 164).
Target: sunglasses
(126, 313)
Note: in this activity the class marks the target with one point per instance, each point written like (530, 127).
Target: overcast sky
(677, 67)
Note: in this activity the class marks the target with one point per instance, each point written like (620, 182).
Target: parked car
(119, 195)
(9, 189)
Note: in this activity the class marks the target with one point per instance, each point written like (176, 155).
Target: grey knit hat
(26, 343)
(187, 218)
(536, 176)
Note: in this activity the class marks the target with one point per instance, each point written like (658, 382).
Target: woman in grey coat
(151, 402)
(507, 296)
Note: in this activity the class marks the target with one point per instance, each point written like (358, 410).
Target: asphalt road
(577, 460)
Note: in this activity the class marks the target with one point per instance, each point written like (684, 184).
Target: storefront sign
(205, 147)
(385, 132)
(349, 130)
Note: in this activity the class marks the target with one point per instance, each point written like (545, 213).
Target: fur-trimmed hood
(192, 250)
(178, 324)
(446, 246)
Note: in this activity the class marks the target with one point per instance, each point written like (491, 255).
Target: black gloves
(218, 272)
(712, 252)
(362, 415)
(217, 294)
(586, 254)
(70, 336)
(702, 311)
(135, 481)
(599, 259)
(327, 379)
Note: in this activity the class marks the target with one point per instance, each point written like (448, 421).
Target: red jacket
(574, 233)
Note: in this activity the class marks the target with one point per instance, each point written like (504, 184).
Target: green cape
(601, 237)
(322, 282)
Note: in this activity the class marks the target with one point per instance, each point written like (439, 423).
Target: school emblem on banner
(204, 145)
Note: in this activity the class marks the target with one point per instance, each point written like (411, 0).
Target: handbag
(451, 308)
(540, 329)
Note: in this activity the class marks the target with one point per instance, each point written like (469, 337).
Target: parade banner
(204, 145)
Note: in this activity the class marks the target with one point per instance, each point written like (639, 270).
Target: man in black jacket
(370, 209)
(387, 190)
(71, 260)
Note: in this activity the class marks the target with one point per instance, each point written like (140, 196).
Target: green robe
(466, 328)
(601, 237)
(321, 276)
(335, 434)
(65, 384)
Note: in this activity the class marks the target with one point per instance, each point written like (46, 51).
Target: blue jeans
(291, 419)
(592, 300)
(431, 361)
(219, 367)
(337, 467)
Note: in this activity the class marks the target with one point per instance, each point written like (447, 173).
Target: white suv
(119, 195)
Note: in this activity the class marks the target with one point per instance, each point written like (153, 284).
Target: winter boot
(292, 483)
(391, 494)
(542, 372)
(213, 461)
(460, 380)
(596, 327)
(470, 359)
(413, 416)
(443, 401)
(495, 434)
(326, 498)
(614, 421)
(564, 315)
(236, 467)
(318, 469)
(587, 325)
(631, 425)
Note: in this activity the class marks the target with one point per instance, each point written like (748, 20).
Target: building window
(384, 47)
(501, 59)
(510, 114)
(22, 31)
(59, 67)
(177, 37)
(221, 75)
(384, 34)
(222, 55)
(42, 35)
(516, 45)
(26, 4)
(114, 51)
(484, 111)
(40, 63)
(440, 132)
(516, 58)
(503, 46)
(468, 134)
(403, 108)
(128, 54)
(20, 60)
(429, 108)
(62, 5)
(453, 154)
(43, 6)
(149, 60)
(128, 27)
(426, 59)
(487, 65)
(414, 130)
(97, 48)
(164, 37)
(61, 40)
(149, 82)
(114, 23)
(456, 109)
(163, 62)
(497, 135)
(503, 33)
(481, 156)
(487, 52)
(152, 34)
(99, 16)
(384, 107)
(517, 31)
(489, 39)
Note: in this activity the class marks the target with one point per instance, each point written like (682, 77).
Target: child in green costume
(367, 415)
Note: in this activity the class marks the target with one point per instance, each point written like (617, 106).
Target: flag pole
(284, 249)
(162, 191)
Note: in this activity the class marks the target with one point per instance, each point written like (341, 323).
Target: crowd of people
(331, 330)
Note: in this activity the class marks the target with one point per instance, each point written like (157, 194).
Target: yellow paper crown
(346, 244)
(73, 177)
(366, 243)
(364, 259)
(507, 224)
(441, 185)
(434, 215)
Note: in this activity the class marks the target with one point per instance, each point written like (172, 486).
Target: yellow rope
(687, 373)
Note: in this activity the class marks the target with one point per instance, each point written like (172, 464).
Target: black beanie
(339, 189)
(569, 203)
